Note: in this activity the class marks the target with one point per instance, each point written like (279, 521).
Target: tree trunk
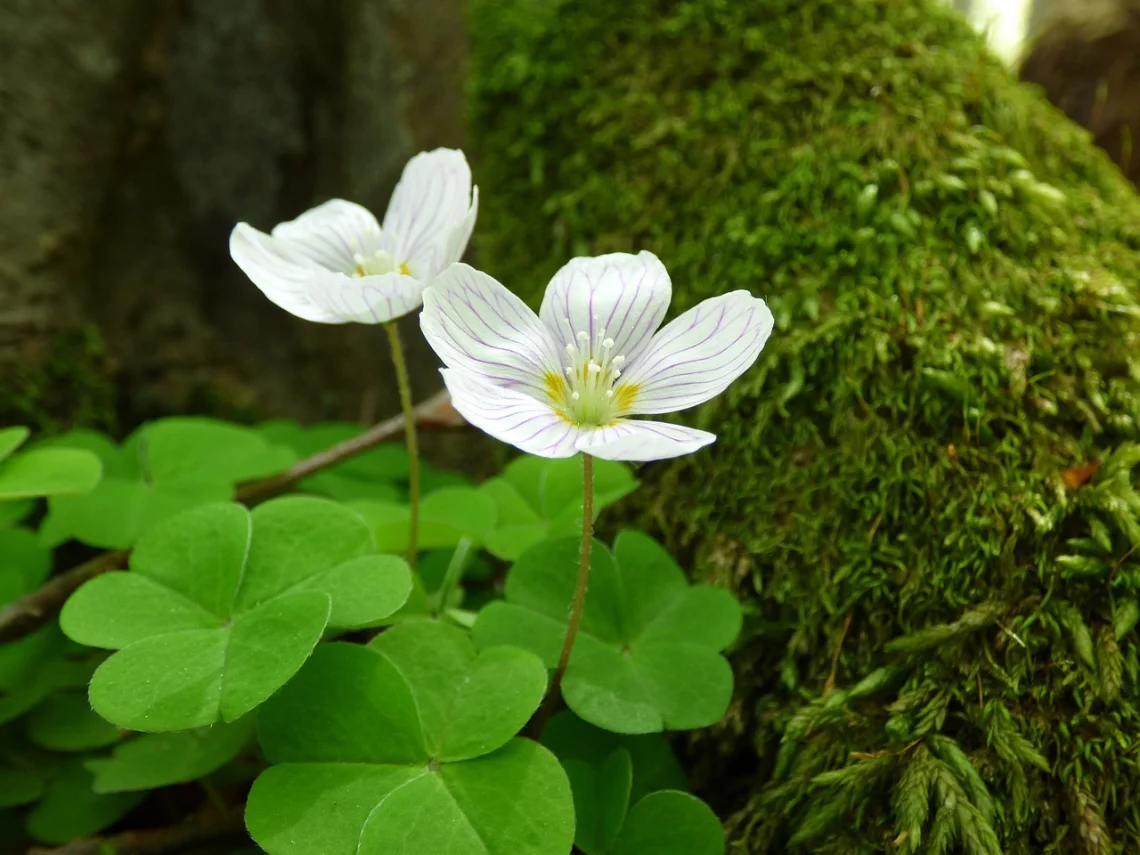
(923, 490)
(135, 133)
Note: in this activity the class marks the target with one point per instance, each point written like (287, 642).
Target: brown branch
(32, 611)
(830, 684)
(206, 830)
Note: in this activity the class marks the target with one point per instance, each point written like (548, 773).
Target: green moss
(63, 383)
(953, 269)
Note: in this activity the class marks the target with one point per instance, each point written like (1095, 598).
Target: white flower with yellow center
(336, 264)
(568, 379)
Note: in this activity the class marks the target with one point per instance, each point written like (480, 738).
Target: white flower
(567, 379)
(335, 264)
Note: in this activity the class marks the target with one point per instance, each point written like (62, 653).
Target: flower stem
(552, 696)
(405, 388)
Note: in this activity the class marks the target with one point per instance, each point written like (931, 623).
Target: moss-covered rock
(942, 654)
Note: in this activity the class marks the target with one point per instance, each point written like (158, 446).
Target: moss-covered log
(942, 654)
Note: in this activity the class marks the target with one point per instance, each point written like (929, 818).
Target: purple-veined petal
(698, 354)
(369, 299)
(475, 324)
(286, 278)
(456, 243)
(636, 440)
(433, 196)
(625, 295)
(332, 234)
(510, 416)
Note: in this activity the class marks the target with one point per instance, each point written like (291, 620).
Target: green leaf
(222, 606)
(407, 746)
(601, 799)
(66, 722)
(19, 787)
(446, 517)
(71, 809)
(11, 439)
(48, 472)
(655, 766)
(154, 760)
(24, 563)
(670, 823)
(539, 498)
(647, 655)
(165, 468)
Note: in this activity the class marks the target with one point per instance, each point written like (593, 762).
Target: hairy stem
(552, 696)
(409, 438)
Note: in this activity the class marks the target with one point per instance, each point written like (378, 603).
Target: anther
(608, 343)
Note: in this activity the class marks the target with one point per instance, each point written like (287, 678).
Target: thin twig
(207, 829)
(32, 611)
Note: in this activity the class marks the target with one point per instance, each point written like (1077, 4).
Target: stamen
(608, 343)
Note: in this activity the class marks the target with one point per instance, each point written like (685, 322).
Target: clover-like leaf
(408, 746)
(64, 721)
(12, 438)
(153, 760)
(70, 808)
(19, 787)
(447, 516)
(669, 823)
(655, 765)
(163, 469)
(539, 498)
(647, 654)
(46, 471)
(222, 606)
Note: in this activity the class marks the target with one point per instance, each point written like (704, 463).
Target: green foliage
(412, 740)
(647, 655)
(163, 468)
(154, 760)
(382, 727)
(539, 498)
(952, 268)
(222, 606)
(43, 471)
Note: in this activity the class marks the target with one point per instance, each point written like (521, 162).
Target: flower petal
(285, 277)
(432, 197)
(626, 295)
(510, 416)
(368, 299)
(698, 354)
(456, 243)
(474, 323)
(332, 233)
(642, 440)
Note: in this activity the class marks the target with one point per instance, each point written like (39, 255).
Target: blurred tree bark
(135, 133)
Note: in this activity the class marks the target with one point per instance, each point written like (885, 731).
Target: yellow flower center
(378, 263)
(587, 392)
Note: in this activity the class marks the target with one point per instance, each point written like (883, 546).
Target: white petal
(332, 234)
(286, 278)
(626, 295)
(510, 416)
(432, 197)
(475, 324)
(697, 355)
(642, 440)
(456, 243)
(368, 299)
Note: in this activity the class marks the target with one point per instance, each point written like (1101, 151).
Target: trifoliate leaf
(670, 823)
(48, 472)
(408, 746)
(153, 760)
(647, 655)
(222, 606)
(539, 498)
(66, 722)
(163, 469)
(70, 808)
(446, 517)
